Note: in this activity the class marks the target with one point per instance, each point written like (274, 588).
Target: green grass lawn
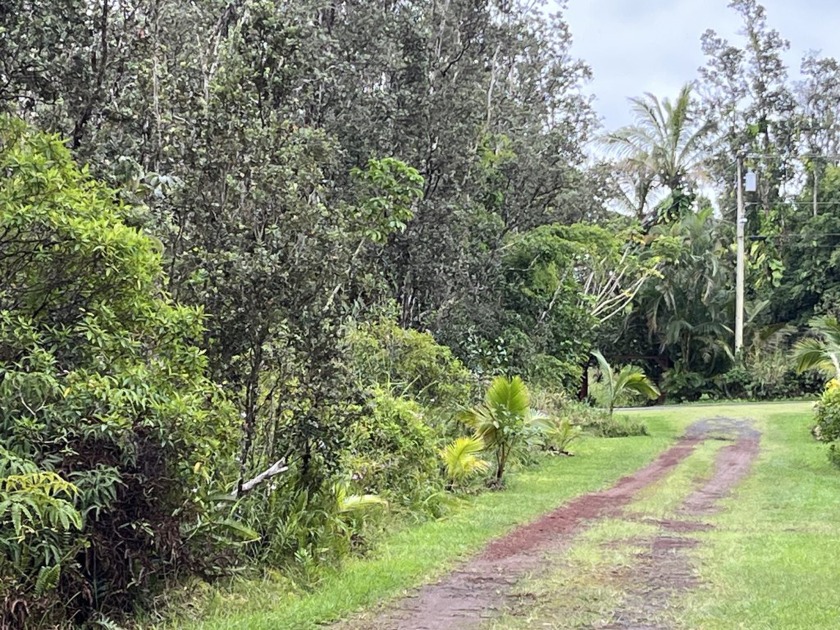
(419, 554)
(771, 560)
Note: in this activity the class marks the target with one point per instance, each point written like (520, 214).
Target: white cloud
(637, 46)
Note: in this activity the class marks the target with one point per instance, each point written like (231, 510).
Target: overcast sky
(637, 46)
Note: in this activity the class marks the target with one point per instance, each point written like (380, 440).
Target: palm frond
(460, 457)
(357, 503)
(809, 354)
(509, 394)
(607, 376)
(632, 378)
(480, 420)
(603, 364)
(828, 327)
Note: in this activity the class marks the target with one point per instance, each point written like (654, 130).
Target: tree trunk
(583, 392)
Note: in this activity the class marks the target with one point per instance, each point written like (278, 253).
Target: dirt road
(479, 588)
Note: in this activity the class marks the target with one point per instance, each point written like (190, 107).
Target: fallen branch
(275, 469)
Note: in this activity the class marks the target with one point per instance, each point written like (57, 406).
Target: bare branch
(275, 469)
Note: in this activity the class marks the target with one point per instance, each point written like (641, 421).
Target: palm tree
(665, 147)
(822, 352)
(502, 420)
(629, 379)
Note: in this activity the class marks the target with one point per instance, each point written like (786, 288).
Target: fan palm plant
(460, 457)
(628, 379)
(503, 420)
(822, 351)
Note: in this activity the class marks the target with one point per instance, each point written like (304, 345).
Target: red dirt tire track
(474, 592)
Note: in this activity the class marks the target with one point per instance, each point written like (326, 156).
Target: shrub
(617, 427)
(104, 404)
(682, 385)
(550, 402)
(393, 452)
(828, 413)
(770, 379)
(558, 434)
(409, 362)
(301, 530)
(834, 455)
(599, 423)
(549, 372)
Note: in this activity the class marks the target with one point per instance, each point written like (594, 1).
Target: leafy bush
(828, 413)
(599, 423)
(834, 455)
(393, 452)
(107, 421)
(617, 427)
(769, 379)
(550, 402)
(37, 509)
(558, 434)
(301, 531)
(681, 385)
(409, 362)
(550, 373)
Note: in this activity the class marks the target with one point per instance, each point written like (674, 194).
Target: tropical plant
(665, 147)
(461, 460)
(36, 517)
(558, 433)
(629, 378)
(827, 410)
(503, 421)
(821, 352)
(834, 455)
(683, 314)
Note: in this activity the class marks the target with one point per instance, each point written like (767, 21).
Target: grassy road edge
(417, 555)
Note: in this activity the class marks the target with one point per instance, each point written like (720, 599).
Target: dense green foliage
(410, 363)
(393, 451)
(274, 250)
(828, 414)
(113, 438)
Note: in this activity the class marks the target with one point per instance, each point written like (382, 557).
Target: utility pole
(740, 224)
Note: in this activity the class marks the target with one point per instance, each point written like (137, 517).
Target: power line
(795, 202)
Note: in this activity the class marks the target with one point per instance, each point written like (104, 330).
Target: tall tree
(817, 96)
(665, 148)
(745, 90)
